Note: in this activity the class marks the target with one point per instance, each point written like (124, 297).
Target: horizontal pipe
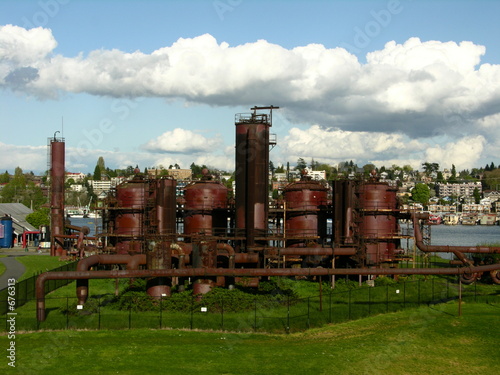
(317, 251)
(82, 285)
(240, 272)
(419, 242)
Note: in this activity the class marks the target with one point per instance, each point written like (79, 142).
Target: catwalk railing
(278, 313)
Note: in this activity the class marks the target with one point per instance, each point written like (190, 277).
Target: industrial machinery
(345, 227)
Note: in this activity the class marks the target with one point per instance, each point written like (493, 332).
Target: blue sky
(159, 82)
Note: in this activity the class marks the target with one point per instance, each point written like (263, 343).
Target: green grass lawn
(2, 268)
(36, 264)
(426, 340)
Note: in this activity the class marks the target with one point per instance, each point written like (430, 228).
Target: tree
(491, 179)
(271, 167)
(421, 193)
(367, 168)
(430, 167)
(301, 164)
(440, 177)
(453, 178)
(280, 169)
(476, 195)
(4, 178)
(97, 173)
(39, 217)
(100, 164)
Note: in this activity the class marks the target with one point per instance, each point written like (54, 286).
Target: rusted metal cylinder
(204, 255)
(57, 174)
(159, 287)
(343, 208)
(166, 205)
(305, 216)
(251, 176)
(205, 208)
(378, 226)
(202, 286)
(130, 197)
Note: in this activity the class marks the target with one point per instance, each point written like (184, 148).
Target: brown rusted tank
(165, 192)
(305, 219)
(130, 197)
(205, 208)
(57, 174)
(252, 174)
(378, 228)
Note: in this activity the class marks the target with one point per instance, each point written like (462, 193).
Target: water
(460, 235)
(465, 235)
(92, 223)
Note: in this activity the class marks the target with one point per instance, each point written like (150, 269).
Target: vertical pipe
(252, 175)
(57, 162)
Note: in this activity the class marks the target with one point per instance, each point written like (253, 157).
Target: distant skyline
(155, 83)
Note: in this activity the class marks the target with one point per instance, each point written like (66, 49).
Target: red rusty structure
(346, 227)
(57, 175)
(379, 231)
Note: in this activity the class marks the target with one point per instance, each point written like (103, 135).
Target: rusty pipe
(230, 251)
(183, 250)
(82, 285)
(445, 248)
(317, 251)
(240, 272)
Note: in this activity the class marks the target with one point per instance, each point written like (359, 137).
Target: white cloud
(337, 145)
(464, 153)
(412, 87)
(28, 158)
(388, 108)
(184, 142)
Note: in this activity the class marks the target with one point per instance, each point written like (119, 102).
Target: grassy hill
(427, 340)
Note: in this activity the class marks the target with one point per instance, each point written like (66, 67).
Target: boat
(469, 219)
(488, 219)
(435, 220)
(74, 212)
(451, 219)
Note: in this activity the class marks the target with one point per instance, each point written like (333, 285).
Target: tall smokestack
(57, 173)
(252, 173)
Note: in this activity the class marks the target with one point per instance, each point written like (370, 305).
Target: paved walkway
(14, 269)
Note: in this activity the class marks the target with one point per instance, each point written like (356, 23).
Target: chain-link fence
(278, 313)
(25, 289)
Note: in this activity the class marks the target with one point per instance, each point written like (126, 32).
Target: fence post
(308, 312)
(192, 311)
(222, 312)
(404, 295)
(418, 292)
(255, 316)
(129, 316)
(288, 315)
(387, 298)
(330, 310)
(67, 312)
(99, 313)
(161, 311)
(369, 300)
(349, 299)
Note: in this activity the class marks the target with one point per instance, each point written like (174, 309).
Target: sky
(158, 83)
